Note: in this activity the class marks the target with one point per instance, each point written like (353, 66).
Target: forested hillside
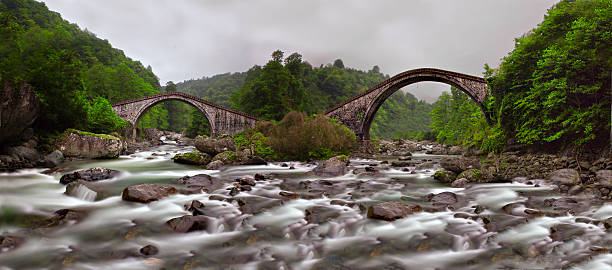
(75, 74)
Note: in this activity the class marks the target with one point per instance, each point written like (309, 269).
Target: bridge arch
(358, 112)
(222, 120)
(143, 109)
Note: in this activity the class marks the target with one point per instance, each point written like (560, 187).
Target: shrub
(300, 137)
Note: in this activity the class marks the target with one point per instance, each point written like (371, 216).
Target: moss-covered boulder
(192, 158)
(445, 176)
(81, 144)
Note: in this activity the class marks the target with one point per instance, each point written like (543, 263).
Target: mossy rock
(192, 158)
(80, 132)
(226, 157)
(445, 176)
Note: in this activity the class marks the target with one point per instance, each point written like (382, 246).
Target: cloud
(185, 39)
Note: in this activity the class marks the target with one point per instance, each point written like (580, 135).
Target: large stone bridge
(358, 112)
(222, 120)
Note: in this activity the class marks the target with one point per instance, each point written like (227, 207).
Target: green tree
(553, 89)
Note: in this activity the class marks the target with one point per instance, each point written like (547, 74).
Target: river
(488, 227)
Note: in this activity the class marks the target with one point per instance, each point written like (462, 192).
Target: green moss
(193, 158)
(342, 158)
(80, 132)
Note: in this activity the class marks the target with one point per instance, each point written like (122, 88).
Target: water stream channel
(295, 220)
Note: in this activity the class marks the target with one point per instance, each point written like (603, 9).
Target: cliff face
(19, 108)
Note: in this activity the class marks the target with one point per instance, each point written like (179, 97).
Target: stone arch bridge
(222, 120)
(358, 112)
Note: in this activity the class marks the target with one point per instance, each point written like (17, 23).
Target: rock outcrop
(80, 144)
(19, 107)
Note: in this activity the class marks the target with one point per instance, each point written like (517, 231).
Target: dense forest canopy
(553, 89)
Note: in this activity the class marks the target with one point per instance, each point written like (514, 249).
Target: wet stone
(146, 193)
(318, 214)
(89, 175)
(149, 250)
(188, 223)
(390, 211)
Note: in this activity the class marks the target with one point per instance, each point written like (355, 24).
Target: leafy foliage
(553, 89)
(402, 115)
(300, 137)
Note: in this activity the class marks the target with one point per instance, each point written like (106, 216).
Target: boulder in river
(332, 167)
(460, 164)
(82, 190)
(9, 242)
(89, 175)
(192, 158)
(565, 177)
(391, 211)
(24, 153)
(146, 193)
(445, 176)
(200, 182)
(188, 223)
(213, 146)
(53, 159)
(81, 144)
(215, 165)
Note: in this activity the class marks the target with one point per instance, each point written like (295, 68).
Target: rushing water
(326, 228)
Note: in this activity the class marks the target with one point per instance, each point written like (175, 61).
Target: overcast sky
(189, 39)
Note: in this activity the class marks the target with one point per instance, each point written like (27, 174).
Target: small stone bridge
(358, 112)
(222, 120)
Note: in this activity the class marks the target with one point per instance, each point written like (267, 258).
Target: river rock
(332, 167)
(445, 176)
(19, 108)
(82, 190)
(149, 250)
(188, 223)
(604, 178)
(213, 146)
(146, 193)
(89, 175)
(200, 182)
(53, 159)
(443, 198)
(565, 177)
(192, 158)
(318, 214)
(214, 165)
(9, 242)
(391, 211)
(257, 204)
(24, 153)
(460, 164)
(79, 144)
(460, 183)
